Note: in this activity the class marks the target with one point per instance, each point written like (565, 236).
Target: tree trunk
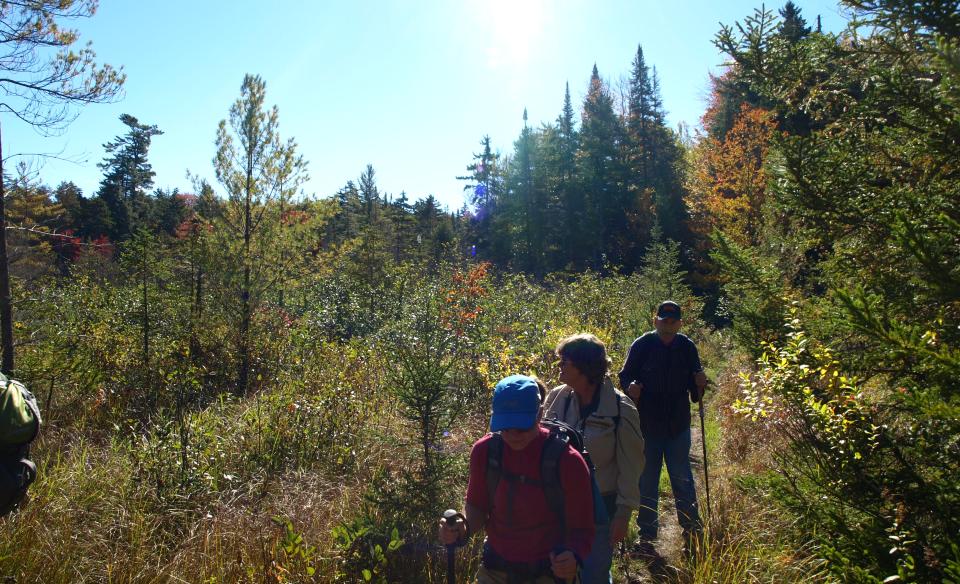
(6, 304)
(283, 248)
(146, 309)
(245, 308)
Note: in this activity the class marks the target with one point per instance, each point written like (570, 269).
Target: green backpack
(19, 426)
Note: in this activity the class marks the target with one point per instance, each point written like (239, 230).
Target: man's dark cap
(668, 309)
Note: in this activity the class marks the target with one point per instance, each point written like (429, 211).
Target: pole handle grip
(451, 516)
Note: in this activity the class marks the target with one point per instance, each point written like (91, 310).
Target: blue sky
(408, 86)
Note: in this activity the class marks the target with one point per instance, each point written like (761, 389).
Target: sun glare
(510, 28)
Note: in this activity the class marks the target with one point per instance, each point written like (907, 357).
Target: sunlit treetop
(42, 73)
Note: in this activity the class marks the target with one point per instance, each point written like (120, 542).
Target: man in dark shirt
(663, 375)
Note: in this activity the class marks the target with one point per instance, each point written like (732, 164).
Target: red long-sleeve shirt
(531, 531)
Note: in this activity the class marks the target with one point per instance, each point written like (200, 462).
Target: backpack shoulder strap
(616, 419)
(494, 466)
(553, 448)
(31, 402)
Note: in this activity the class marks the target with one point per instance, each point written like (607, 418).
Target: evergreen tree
(865, 221)
(345, 224)
(524, 210)
(793, 27)
(372, 254)
(645, 139)
(141, 257)
(33, 217)
(662, 276)
(568, 139)
(429, 219)
(128, 177)
(93, 219)
(169, 211)
(601, 171)
(570, 194)
(485, 186)
(291, 175)
(549, 175)
(655, 156)
(42, 77)
(642, 120)
(68, 196)
(246, 162)
(369, 194)
(400, 213)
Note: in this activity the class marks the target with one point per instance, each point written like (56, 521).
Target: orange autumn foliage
(729, 182)
(462, 300)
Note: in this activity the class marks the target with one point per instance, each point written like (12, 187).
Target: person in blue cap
(662, 375)
(526, 541)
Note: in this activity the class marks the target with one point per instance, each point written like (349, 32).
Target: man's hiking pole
(703, 440)
(451, 516)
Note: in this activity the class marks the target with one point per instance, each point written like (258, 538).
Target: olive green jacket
(611, 435)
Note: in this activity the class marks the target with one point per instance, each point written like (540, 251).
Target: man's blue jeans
(675, 451)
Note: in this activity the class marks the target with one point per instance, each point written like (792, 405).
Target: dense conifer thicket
(248, 383)
(849, 291)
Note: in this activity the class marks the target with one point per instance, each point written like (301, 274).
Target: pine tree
(866, 204)
(601, 171)
(168, 211)
(793, 27)
(345, 224)
(369, 194)
(371, 255)
(42, 77)
(291, 175)
(128, 177)
(68, 196)
(568, 139)
(644, 141)
(549, 175)
(655, 156)
(433, 229)
(570, 194)
(485, 186)
(248, 153)
(93, 219)
(662, 276)
(641, 120)
(32, 221)
(400, 213)
(524, 209)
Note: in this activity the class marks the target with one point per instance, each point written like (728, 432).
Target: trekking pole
(451, 516)
(703, 440)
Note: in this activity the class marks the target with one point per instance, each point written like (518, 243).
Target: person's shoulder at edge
(687, 341)
(646, 336)
(642, 341)
(570, 457)
(483, 439)
(622, 397)
(554, 394)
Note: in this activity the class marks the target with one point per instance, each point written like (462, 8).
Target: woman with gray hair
(589, 402)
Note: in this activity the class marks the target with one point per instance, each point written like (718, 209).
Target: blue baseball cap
(516, 403)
